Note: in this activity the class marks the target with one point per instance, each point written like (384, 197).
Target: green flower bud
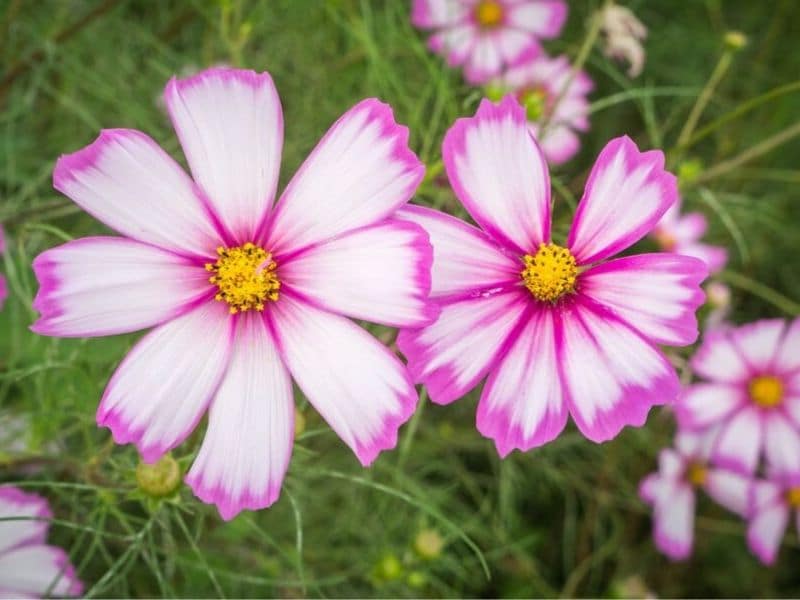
(689, 171)
(159, 479)
(428, 544)
(389, 568)
(735, 40)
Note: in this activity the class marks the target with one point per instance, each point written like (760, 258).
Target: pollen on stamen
(489, 13)
(551, 273)
(245, 277)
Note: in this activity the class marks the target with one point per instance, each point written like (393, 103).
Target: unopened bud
(159, 479)
(429, 544)
(735, 40)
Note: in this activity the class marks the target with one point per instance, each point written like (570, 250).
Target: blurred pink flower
(682, 234)
(773, 502)
(29, 567)
(485, 35)
(623, 35)
(752, 394)
(671, 491)
(244, 297)
(559, 330)
(538, 82)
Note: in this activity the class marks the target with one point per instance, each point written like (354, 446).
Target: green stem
(766, 293)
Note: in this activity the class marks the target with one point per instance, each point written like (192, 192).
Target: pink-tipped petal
(657, 294)
(380, 273)
(718, 359)
(358, 386)
(454, 43)
(759, 342)
(740, 441)
(674, 521)
(454, 353)
(230, 125)
(522, 405)
(428, 14)
(484, 61)
(651, 488)
(787, 356)
(729, 489)
(715, 257)
(704, 404)
(627, 193)
(125, 180)
(248, 443)
(358, 175)
(33, 512)
(108, 285)
(32, 571)
(543, 18)
(500, 175)
(686, 228)
(466, 261)
(781, 444)
(559, 144)
(611, 375)
(162, 388)
(671, 464)
(766, 529)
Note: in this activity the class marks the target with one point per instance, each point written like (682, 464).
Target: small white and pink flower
(682, 234)
(483, 36)
(558, 330)
(672, 491)
(29, 567)
(751, 393)
(773, 503)
(555, 102)
(244, 296)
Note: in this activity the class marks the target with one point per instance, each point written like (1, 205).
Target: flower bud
(159, 479)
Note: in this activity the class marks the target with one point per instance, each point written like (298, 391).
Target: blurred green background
(562, 520)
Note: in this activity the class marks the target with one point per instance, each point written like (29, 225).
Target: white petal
(358, 386)
(740, 440)
(359, 174)
(704, 404)
(718, 359)
(380, 273)
(32, 571)
(128, 182)
(729, 489)
(674, 522)
(787, 357)
(500, 175)
(34, 514)
(759, 342)
(107, 285)
(162, 388)
(781, 443)
(248, 443)
(766, 530)
(230, 125)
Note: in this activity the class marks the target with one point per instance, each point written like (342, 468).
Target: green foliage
(562, 520)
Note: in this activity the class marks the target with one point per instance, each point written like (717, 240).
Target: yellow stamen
(665, 239)
(489, 13)
(696, 474)
(766, 391)
(550, 273)
(793, 497)
(245, 277)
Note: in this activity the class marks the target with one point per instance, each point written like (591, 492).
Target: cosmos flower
(3, 285)
(773, 502)
(752, 392)
(671, 491)
(557, 328)
(485, 35)
(29, 567)
(682, 234)
(554, 119)
(623, 35)
(244, 296)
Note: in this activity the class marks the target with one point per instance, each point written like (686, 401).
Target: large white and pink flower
(554, 101)
(671, 491)
(558, 329)
(682, 234)
(772, 504)
(29, 567)
(751, 392)
(483, 36)
(244, 296)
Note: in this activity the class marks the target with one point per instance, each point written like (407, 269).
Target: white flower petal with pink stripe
(750, 394)
(486, 35)
(555, 333)
(773, 502)
(29, 567)
(244, 297)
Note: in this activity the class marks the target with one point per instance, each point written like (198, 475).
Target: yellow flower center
(489, 13)
(550, 273)
(696, 474)
(666, 240)
(793, 497)
(766, 391)
(245, 277)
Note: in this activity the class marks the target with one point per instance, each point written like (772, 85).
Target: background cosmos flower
(558, 330)
(774, 502)
(243, 296)
(29, 567)
(751, 393)
(671, 491)
(484, 35)
(555, 120)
